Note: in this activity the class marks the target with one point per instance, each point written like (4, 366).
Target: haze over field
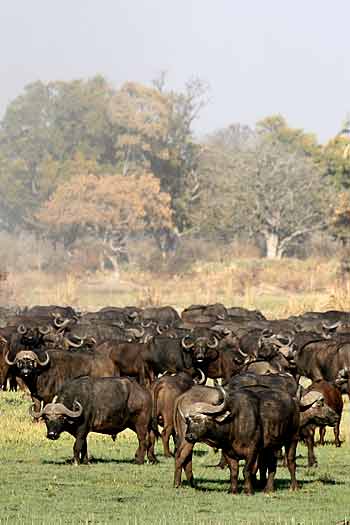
(259, 58)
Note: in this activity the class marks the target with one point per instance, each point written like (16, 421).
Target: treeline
(82, 162)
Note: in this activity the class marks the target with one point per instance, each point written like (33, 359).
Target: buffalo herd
(146, 369)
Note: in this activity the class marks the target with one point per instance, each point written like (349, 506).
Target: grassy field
(40, 487)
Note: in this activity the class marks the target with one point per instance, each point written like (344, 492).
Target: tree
(279, 195)
(340, 220)
(275, 129)
(47, 127)
(265, 190)
(155, 134)
(108, 208)
(336, 159)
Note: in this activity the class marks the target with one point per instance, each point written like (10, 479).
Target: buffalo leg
(78, 448)
(183, 460)
(322, 434)
(248, 471)
(150, 441)
(141, 449)
(83, 454)
(166, 433)
(269, 461)
(233, 466)
(310, 443)
(291, 463)
(336, 435)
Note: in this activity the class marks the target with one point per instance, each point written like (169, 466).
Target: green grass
(39, 487)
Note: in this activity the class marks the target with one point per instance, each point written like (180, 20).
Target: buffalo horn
(185, 345)
(21, 329)
(75, 345)
(7, 361)
(61, 324)
(35, 415)
(72, 413)
(214, 344)
(136, 332)
(331, 326)
(46, 360)
(159, 329)
(43, 330)
(202, 379)
(209, 409)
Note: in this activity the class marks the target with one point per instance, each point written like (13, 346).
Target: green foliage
(275, 129)
(265, 184)
(52, 129)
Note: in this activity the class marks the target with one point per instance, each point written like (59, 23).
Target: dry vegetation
(278, 288)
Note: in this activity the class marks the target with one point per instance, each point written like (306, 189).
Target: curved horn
(136, 332)
(46, 360)
(281, 338)
(35, 415)
(209, 409)
(21, 329)
(7, 361)
(146, 324)
(202, 379)
(72, 413)
(331, 326)
(185, 345)
(221, 317)
(159, 329)
(75, 345)
(241, 352)
(61, 324)
(44, 331)
(214, 344)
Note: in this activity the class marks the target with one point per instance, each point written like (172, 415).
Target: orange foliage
(108, 203)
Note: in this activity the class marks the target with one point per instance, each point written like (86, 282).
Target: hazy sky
(259, 56)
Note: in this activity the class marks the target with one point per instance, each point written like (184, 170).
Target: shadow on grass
(214, 485)
(92, 461)
(200, 453)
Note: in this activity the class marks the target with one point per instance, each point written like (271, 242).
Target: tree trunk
(272, 246)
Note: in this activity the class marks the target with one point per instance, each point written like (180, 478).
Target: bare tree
(280, 195)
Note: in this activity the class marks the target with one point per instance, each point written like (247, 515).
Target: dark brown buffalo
(104, 405)
(128, 359)
(143, 361)
(216, 358)
(199, 314)
(163, 315)
(323, 359)
(44, 373)
(200, 415)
